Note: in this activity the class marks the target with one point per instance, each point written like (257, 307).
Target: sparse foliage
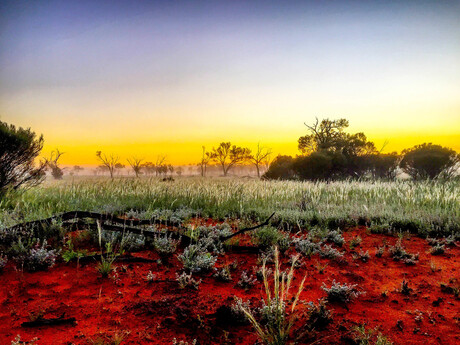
(228, 155)
(259, 157)
(136, 165)
(53, 164)
(109, 162)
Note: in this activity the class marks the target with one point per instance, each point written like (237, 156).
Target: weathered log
(78, 216)
(73, 215)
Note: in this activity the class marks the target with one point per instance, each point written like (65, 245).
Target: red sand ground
(155, 313)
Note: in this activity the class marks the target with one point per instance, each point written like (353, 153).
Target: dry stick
(266, 222)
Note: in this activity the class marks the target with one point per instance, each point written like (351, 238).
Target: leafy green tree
(19, 148)
(330, 147)
(227, 156)
(428, 161)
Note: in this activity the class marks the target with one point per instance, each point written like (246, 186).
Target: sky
(146, 78)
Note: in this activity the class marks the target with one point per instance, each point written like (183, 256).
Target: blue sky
(171, 76)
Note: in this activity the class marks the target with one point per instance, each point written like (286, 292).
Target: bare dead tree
(259, 157)
(136, 165)
(53, 164)
(205, 159)
(109, 162)
(160, 165)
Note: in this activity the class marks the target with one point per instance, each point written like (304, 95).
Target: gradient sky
(149, 78)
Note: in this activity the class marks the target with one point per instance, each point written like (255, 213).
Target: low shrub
(380, 251)
(223, 274)
(164, 244)
(247, 281)
(405, 289)
(35, 258)
(335, 236)
(363, 256)
(438, 249)
(185, 280)
(196, 259)
(343, 293)
(209, 237)
(330, 253)
(398, 253)
(355, 241)
(318, 315)
(307, 247)
(237, 312)
(269, 236)
(361, 336)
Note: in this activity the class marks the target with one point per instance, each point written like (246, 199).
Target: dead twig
(242, 231)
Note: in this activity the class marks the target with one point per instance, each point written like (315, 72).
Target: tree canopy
(19, 148)
(228, 155)
(428, 161)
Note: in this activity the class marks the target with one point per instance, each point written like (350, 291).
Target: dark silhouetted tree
(227, 156)
(161, 168)
(384, 166)
(324, 135)
(259, 157)
(18, 150)
(344, 154)
(428, 161)
(109, 162)
(53, 164)
(280, 169)
(136, 165)
(315, 166)
(205, 159)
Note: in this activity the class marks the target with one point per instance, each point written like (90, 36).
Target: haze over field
(162, 78)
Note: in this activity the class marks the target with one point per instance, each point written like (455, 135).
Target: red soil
(155, 313)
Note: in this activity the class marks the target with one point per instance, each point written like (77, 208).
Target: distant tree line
(329, 153)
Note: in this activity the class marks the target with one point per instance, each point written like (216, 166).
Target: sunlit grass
(430, 205)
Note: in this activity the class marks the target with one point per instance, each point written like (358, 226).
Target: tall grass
(279, 318)
(430, 205)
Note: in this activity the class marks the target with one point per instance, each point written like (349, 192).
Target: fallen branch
(72, 215)
(128, 225)
(242, 231)
(49, 322)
